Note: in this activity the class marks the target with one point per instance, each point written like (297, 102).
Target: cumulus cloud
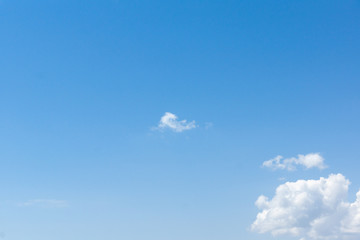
(310, 210)
(311, 160)
(170, 121)
(47, 203)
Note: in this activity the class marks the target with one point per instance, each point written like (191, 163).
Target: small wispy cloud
(208, 125)
(170, 121)
(45, 203)
(311, 160)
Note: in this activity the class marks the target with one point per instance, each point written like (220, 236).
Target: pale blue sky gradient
(82, 83)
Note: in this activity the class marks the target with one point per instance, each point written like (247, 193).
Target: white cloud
(311, 210)
(310, 160)
(47, 203)
(170, 121)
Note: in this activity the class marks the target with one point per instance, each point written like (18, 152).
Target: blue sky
(84, 84)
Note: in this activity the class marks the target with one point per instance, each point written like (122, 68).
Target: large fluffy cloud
(310, 209)
(170, 121)
(311, 160)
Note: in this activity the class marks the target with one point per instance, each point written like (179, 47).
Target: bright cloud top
(310, 209)
(170, 121)
(311, 160)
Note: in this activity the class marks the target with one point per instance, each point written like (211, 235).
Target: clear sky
(84, 85)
